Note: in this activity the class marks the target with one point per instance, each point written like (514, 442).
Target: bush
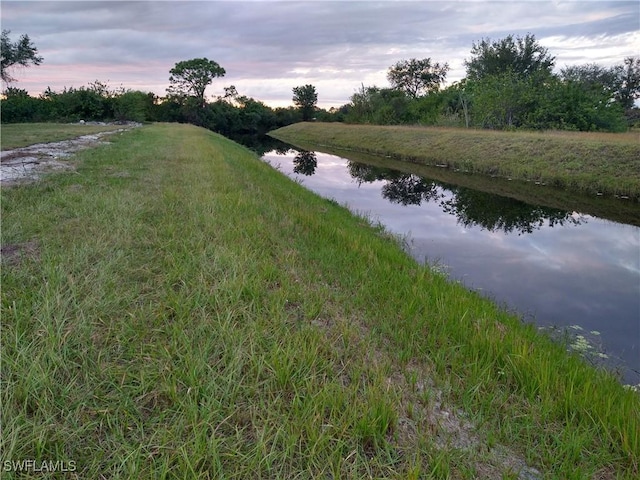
(19, 107)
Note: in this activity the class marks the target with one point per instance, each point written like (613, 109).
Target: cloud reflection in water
(553, 267)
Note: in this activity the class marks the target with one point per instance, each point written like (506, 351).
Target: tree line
(229, 114)
(509, 84)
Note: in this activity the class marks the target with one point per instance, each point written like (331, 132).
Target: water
(554, 267)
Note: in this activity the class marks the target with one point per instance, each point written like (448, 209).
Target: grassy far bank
(606, 208)
(16, 135)
(176, 308)
(587, 162)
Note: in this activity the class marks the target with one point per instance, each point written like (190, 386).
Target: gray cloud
(267, 47)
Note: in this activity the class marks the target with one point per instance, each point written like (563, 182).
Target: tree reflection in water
(305, 163)
(471, 207)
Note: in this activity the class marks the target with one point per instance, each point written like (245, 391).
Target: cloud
(267, 47)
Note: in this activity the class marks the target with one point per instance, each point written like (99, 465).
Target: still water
(556, 268)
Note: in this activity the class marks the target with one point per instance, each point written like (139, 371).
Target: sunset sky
(267, 47)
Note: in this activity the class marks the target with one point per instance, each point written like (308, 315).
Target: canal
(571, 272)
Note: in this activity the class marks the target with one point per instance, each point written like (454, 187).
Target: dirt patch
(450, 427)
(14, 253)
(421, 408)
(28, 164)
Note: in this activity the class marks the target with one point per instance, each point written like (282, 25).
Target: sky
(267, 47)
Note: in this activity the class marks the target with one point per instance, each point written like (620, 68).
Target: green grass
(16, 135)
(176, 308)
(587, 162)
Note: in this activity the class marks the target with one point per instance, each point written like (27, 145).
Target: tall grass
(178, 309)
(586, 162)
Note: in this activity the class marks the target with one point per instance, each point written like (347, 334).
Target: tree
(382, 106)
(133, 105)
(503, 100)
(18, 107)
(305, 98)
(191, 77)
(417, 77)
(22, 52)
(620, 83)
(628, 82)
(230, 94)
(590, 76)
(458, 101)
(522, 56)
(361, 107)
(254, 116)
(572, 105)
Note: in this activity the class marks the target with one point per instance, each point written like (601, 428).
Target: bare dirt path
(28, 164)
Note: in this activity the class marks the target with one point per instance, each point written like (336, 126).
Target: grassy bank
(175, 308)
(16, 135)
(587, 162)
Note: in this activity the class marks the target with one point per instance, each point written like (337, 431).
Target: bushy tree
(417, 77)
(521, 56)
(382, 106)
(390, 107)
(84, 103)
(590, 76)
(501, 101)
(286, 116)
(360, 106)
(192, 77)
(134, 106)
(457, 101)
(619, 84)
(305, 98)
(22, 52)
(223, 117)
(334, 114)
(254, 116)
(628, 75)
(568, 105)
(429, 110)
(18, 107)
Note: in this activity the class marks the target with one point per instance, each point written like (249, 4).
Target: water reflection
(261, 144)
(305, 163)
(471, 207)
(501, 213)
(553, 266)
